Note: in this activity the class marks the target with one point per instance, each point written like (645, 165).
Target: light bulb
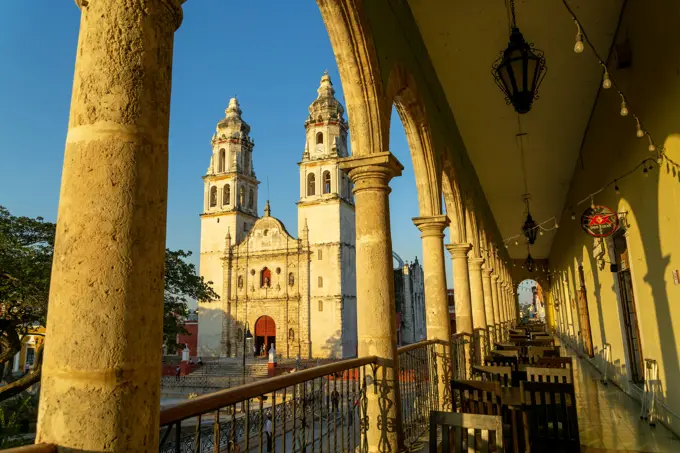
(645, 173)
(557, 225)
(640, 133)
(573, 216)
(578, 47)
(541, 232)
(651, 147)
(624, 108)
(606, 81)
(659, 159)
(516, 243)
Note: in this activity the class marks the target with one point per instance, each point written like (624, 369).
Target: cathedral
(296, 294)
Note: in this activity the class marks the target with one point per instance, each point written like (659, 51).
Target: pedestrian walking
(178, 370)
(335, 399)
(269, 432)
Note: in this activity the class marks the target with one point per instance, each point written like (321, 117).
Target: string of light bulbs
(647, 164)
(608, 82)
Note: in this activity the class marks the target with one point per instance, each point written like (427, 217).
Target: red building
(190, 338)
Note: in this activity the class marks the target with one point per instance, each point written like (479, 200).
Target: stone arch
(347, 27)
(402, 92)
(471, 227)
(326, 182)
(454, 205)
(319, 138)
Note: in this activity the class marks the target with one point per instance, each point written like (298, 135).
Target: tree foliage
(26, 249)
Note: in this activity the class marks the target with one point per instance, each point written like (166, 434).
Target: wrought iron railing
(419, 373)
(461, 351)
(323, 408)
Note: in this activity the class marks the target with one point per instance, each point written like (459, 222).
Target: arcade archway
(531, 300)
(265, 335)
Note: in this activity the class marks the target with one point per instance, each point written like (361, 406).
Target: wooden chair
(540, 335)
(466, 433)
(505, 347)
(555, 362)
(475, 397)
(550, 420)
(555, 375)
(501, 360)
(536, 352)
(500, 374)
(506, 353)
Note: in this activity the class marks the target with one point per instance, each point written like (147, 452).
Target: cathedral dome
(326, 107)
(232, 125)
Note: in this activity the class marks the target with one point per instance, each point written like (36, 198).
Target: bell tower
(326, 206)
(229, 207)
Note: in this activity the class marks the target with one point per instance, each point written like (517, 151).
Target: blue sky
(268, 53)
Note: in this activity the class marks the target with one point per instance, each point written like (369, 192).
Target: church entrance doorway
(265, 335)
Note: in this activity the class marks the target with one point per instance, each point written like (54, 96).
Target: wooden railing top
(223, 398)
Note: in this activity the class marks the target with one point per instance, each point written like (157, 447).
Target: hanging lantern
(529, 229)
(519, 70)
(529, 263)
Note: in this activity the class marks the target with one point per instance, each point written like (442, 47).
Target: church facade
(296, 294)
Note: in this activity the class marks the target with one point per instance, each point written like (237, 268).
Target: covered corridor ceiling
(463, 39)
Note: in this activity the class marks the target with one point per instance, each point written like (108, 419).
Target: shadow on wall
(333, 346)
(211, 341)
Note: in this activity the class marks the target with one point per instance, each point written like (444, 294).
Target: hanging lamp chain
(512, 13)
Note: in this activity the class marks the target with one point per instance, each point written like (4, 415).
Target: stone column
(376, 318)
(100, 388)
(478, 312)
(477, 293)
(461, 285)
(461, 349)
(436, 303)
(496, 303)
(488, 299)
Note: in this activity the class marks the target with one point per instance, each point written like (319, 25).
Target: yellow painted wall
(652, 88)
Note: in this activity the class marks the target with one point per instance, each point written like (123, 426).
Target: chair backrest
(501, 360)
(556, 375)
(506, 347)
(555, 362)
(500, 374)
(536, 352)
(507, 353)
(466, 433)
(550, 420)
(475, 397)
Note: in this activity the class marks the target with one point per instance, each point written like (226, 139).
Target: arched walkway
(531, 299)
(265, 334)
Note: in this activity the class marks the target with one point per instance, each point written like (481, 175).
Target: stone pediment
(268, 233)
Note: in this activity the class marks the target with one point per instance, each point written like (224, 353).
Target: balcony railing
(323, 408)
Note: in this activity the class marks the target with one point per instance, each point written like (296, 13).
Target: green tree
(26, 248)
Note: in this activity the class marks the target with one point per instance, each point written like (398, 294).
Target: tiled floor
(609, 420)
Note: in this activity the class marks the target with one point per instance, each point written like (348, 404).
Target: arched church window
(265, 278)
(320, 282)
(240, 281)
(291, 279)
(213, 196)
(327, 182)
(311, 184)
(221, 161)
(291, 334)
(319, 254)
(241, 196)
(319, 138)
(320, 305)
(226, 195)
(251, 198)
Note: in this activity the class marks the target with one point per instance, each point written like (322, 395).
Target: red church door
(265, 334)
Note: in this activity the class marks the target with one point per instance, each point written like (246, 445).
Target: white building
(409, 291)
(297, 293)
